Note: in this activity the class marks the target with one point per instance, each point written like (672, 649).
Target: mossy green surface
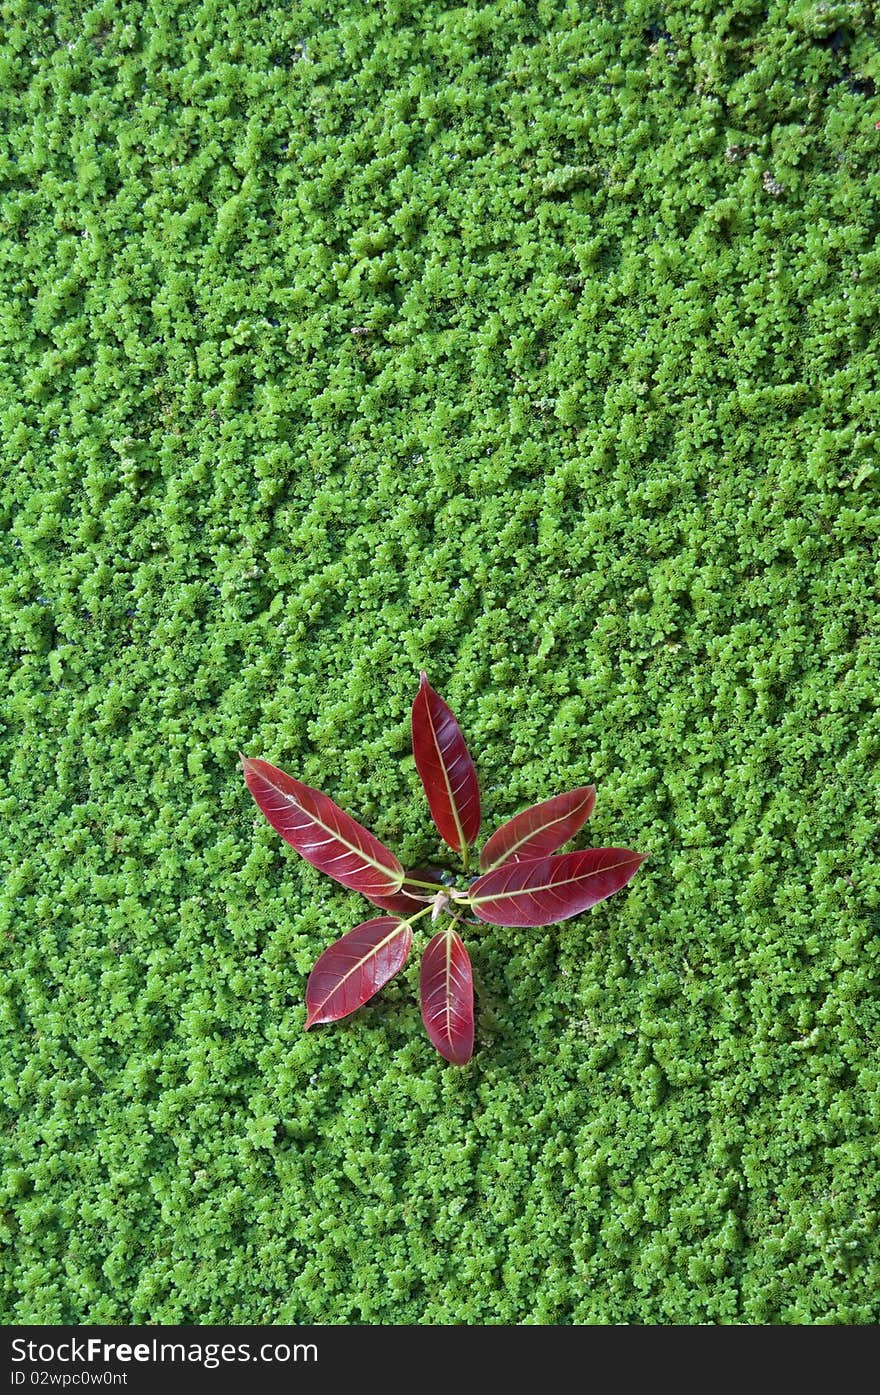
(536, 346)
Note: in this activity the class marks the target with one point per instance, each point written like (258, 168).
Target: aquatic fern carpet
(533, 346)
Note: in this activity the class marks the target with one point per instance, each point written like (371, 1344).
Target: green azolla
(535, 346)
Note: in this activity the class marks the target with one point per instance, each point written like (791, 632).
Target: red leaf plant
(524, 880)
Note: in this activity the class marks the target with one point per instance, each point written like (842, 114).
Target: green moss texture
(534, 345)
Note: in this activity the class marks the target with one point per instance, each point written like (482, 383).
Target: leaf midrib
(542, 828)
(334, 833)
(547, 886)
(458, 828)
(392, 934)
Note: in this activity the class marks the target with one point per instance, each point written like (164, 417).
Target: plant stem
(418, 915)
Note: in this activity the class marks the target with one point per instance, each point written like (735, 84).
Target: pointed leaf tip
(552, 889)
(540, 829)
(353, 969)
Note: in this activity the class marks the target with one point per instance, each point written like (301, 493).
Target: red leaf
(321, 832)
(409, 899)
(447, 993)
(445, 769)
(540, 829)
(356, 967)
(552, 888)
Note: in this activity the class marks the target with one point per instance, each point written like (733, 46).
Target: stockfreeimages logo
(209, 1355)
